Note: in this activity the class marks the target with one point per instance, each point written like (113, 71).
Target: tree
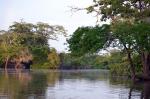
(129, 26)
(111, 9)
(53, 59)
(134, 36)
(36, 34)
(123, 32)
(88, 39)
(24, 41)
(118, 63)
(8, 47)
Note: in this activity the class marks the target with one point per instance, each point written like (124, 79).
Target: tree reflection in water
(138, 90)
(12, 83)
(20, 84)
(144, 90)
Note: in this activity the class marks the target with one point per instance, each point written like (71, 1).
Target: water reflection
(13, 83)
(144, 90)
(91, 84)
(25, 84)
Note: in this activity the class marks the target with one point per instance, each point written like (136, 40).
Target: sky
(49, 11)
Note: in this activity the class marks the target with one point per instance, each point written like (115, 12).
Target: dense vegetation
(25, 42)
(68, 61)
(129, 31)
(28, 43)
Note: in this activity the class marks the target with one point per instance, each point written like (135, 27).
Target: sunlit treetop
(42, 29)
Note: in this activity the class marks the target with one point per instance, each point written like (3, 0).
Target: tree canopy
(129, 28)
(88, 39)
(110, 9)
(26, 41)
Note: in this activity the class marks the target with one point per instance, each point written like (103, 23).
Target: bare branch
(76, 9)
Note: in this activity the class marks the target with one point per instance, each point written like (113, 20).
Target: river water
(74, 84)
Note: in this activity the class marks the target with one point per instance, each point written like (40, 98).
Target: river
(71, 84)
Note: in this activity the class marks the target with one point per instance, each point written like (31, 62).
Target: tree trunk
(132, 68)
(146, 90)
(6, 63)
(145, 58)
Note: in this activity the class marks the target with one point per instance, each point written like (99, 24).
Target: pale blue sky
(49, 11)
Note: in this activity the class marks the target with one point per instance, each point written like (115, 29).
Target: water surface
(75, 84)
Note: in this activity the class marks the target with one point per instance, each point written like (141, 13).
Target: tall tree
(138, 12)
(130, 26)
(23, 39)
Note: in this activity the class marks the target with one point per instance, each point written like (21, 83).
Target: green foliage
(141, 33)
(45, 58)
(137, 63)
(122, 30)
(83, 62)
(36, 34)
(29, 42)
(101, 62)
(88, 39)
(134, 34)
(130, 31)
(53, 59)
(68, 60)
(110, 9)
(39, 56)
(118, 63)
(10, 47)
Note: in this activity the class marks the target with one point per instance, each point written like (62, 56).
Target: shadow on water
(43, 84)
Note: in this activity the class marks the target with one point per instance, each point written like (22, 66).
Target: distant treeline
(116, 61)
